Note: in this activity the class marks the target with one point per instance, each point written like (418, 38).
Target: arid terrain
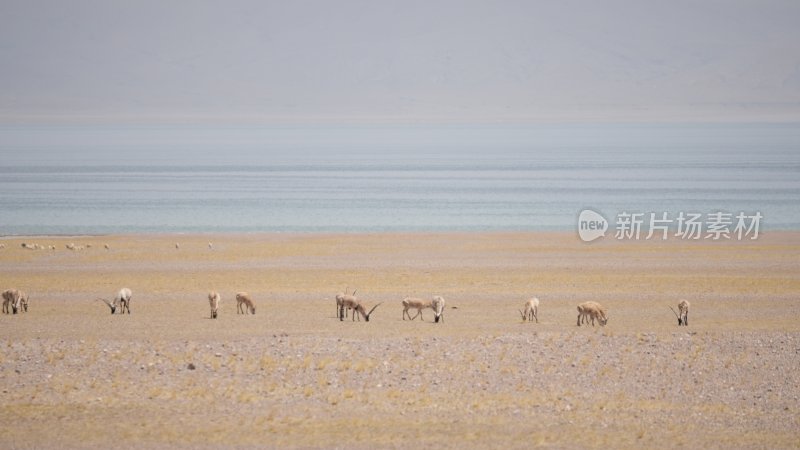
(294, 376)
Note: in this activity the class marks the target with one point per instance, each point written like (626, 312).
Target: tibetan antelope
(437, 304)
(531, 311)
(415, 303)
(122, 301)
(591, 311)
(244, 304)
(213, 301)
(683, 313)
(23, 301)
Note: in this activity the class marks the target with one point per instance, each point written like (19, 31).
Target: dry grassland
(294, 376)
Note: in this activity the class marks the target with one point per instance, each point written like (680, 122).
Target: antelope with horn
(531, 311)
(121, 300)
(683, 313)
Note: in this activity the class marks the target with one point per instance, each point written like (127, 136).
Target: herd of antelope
(15, 300)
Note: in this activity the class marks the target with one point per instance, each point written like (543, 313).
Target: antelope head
(360, 309)
(110, 305)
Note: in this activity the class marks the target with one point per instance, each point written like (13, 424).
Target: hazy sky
(404, 61)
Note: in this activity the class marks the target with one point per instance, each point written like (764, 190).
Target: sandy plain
(294, 376)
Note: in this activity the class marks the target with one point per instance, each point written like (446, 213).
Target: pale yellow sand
(294, 375)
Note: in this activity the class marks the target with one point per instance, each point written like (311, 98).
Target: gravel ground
(573, 389)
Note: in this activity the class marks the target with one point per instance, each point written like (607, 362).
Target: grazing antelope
(437, 304)
(213, 300)
(415, 303)
(11, 299)
(531, 311)
(243, 298)
(124, 298)
(23, 301)
(683, 313)
(591, 310)
(121, 300)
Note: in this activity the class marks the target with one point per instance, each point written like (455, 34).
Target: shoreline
(572, 231)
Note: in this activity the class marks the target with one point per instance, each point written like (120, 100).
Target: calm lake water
(138, 179)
